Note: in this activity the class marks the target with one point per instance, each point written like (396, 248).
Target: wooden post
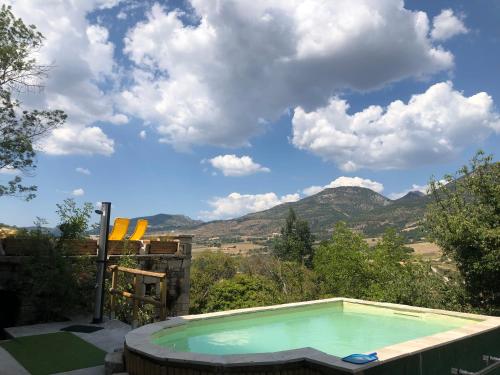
(112, 306)
(163, 298)
(139, 292)
(105, 213)
(135, 308)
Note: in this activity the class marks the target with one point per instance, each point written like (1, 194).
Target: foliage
(18, 42)
(20, 129)
(295, 242)
(341, 263)
(53, 284)
(73, 220)
(206, 270)
(220, 281)
(123, 306)
(46, 280)
(293, 282)
(241, 291)
(347, 267)
(464, 219)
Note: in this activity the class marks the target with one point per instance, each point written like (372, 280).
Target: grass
(53, 352)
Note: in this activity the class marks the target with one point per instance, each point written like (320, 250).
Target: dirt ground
(426, 249)
(238, 248)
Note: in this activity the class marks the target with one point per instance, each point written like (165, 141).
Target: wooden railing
(138, 294)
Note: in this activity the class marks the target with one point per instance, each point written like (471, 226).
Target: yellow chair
(119, 229)
(140, 229)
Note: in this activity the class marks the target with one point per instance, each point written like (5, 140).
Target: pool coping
(139, 340)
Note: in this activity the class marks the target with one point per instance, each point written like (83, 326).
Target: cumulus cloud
(6, 170)
(346, 181)
(83, 171)
(78, 192)
(232, 165)
(236, 204)
(75, 140)
(432, 127)
(82, 59)
(142, 134)
(216, 82)
(446, 25)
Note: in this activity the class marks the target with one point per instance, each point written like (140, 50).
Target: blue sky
(215, 109)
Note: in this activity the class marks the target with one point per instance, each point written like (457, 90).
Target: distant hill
(166, 223)
(361, 208)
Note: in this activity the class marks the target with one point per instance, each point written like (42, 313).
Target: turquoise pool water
(335, 328)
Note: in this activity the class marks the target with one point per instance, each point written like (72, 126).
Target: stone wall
(175, 265)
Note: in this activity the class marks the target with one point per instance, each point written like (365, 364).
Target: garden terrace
(172, 257)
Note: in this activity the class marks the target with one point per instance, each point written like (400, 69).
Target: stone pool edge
(139, 340)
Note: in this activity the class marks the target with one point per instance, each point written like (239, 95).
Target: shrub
(241, 291)
(464, 219)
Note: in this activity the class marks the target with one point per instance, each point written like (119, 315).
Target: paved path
(109, 339)
(99, 370)
(9, 366)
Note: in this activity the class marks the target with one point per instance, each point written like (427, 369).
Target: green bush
(241, 291)
(293, 281)
(206, 270)
(53, 284)
(347, 267)
(464, 220)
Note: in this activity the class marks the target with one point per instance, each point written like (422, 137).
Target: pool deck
(138, 341)
(109, 339)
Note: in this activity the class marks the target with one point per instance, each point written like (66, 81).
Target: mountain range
(363, 209)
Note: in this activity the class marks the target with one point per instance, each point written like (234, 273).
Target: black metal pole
(102, 252)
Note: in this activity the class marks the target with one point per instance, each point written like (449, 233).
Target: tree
(74, 220)
(293, 281)
(242, 291)
(206, 270)
(341, 263)
(295, 243)
(20, 129)
(464, 219)
(348, 267)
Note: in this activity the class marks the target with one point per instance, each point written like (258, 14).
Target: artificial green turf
(53, 352)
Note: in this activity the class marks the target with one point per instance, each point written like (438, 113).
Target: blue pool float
(360, 359)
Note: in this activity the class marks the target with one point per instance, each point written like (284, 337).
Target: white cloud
(311, 190)
(75, 140)
(117, 119)
(82, 59)
(432, 127)
(78, 192)
(83, 171)
(217, 82)
(232, 165)
(236, 204)
(447, 25)
(6, 170)
(290, 198)
(142, 134)
(346, 181)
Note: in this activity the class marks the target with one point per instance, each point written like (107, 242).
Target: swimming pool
(308, 335)
(335, 328)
